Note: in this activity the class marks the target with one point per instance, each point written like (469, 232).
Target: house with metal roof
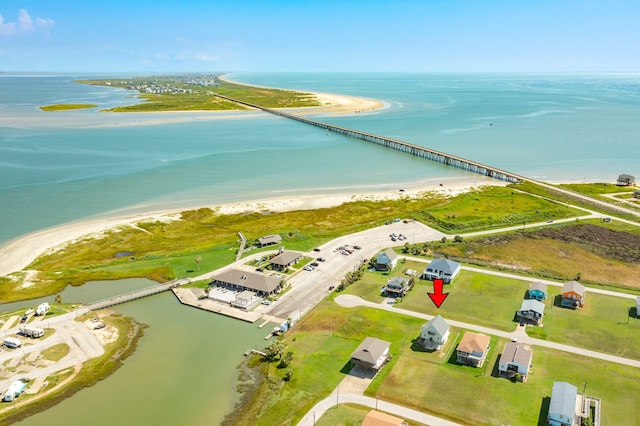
(562, 408)
(397, 287)
(473, 349)
(269, 240)
(572, 295)
(537, 290)
(371, 354)
(515, 359)
(240, 280)
(387, 260)
(434, 334)
(285, 259)
(444, 269)
(531, 311)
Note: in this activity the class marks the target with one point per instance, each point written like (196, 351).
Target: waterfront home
(562, 408)
(285, 259)
(240, 280)
(626, 180)
(531, 311)
(515, 359)
(386, 260)
(572, 295)
(444, 269)
(537, 290)
(397, 287)
(269, 240)
(371, 354)
(434, 334)
(378, 418)
(473, 349)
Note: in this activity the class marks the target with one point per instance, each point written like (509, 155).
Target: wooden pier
(416, 150)
(137, 294)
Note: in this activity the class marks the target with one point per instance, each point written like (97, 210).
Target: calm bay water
(58, 167)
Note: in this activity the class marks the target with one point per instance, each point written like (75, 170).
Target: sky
(320, 36)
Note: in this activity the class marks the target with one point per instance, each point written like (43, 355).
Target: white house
(515, 358)
(444, 269)
(371, 354)
(434, 334)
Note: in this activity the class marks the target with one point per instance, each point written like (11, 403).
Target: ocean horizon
(59, 167)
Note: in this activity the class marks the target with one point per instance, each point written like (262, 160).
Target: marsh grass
(66, 107)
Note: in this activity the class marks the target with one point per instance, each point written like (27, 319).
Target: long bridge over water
(416, 150)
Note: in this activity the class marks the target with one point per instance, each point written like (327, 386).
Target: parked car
(321, 259)
(316, 249)
(331, 287)
(24, 319)
(315, 264)
(357, 247)
(266, 302)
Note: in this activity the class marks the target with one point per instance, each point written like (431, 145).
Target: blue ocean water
(57, 167)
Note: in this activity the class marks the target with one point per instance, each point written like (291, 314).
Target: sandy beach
(19, 253)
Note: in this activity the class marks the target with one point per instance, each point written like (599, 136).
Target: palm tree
(58, 299)
(198, 259)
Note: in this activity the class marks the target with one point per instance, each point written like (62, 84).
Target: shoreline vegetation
(67, 107)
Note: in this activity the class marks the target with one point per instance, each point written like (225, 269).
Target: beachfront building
(371, 354)
(531, 311)
(473, 349)
(572, 295)
(269, 240)
(537, 291)
(515, 359)
(397, 287)
(562, 408)
(386, 260)
(239, 280)
(434, 334)
(626, 180)
(444, 269)
(285, 259)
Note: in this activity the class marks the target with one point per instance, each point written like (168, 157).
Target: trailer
(30, 331)
(43, 308)
(12, 342)
(15, 389)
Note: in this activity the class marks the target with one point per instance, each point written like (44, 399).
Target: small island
(66, 107)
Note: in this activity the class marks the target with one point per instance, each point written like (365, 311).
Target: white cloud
(24, 24)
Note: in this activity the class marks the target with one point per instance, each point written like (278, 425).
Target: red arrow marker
(437, 297)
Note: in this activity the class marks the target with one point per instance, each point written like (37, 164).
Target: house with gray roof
(444, 269)
(240, 280)
(371, 354)
(572, 295)
(562, 408)
(531, 311)
(285, 259)
(434, 334)
(515, 359)
(269, 240)
(626, 180)
(397, 287)
(386, 260)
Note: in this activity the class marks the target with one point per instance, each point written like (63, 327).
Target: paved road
(406, 413)
(350, 301)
